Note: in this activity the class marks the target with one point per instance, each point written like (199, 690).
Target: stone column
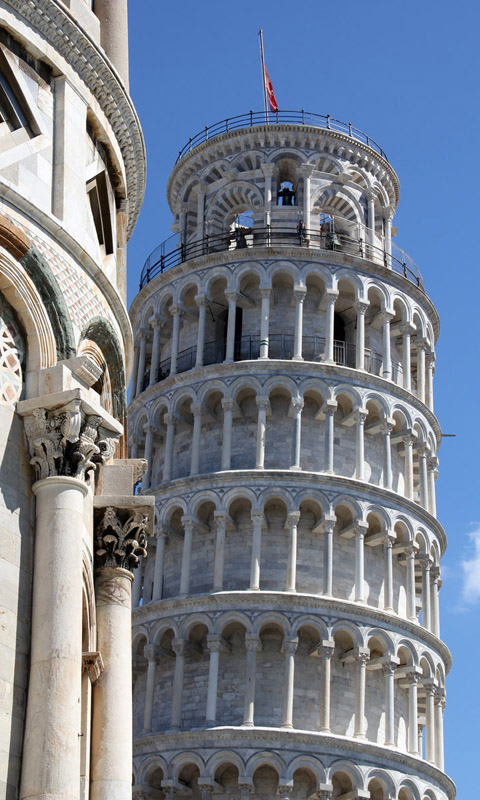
(265, 294)
(329, 331)
(361, 657)
(329, 525)
(290, 648)
(421, 370)
(412, 677)
(439, 709)
(201, 301)
(262, 405)
(170, 420)
(149, 431)
(268, 171)
(257, 523)
(197, 430)
(157, 329)
(134, 442)
(371, 219)
(141, 361)
(331, 407)
(161, 537)
(360, 562)
(422, 456)
(176, 312)
(430, 365)
(406, 331)
(227, 405)
(432, 464)
(188, 525)
(120, 541)
(360, 416)
(134, 377)
(51, 756)
(297, 408)
(326, 652)
(137, 585)
(252, 644)
(387, 355)
(292, 523)
(221, 519)
(388, 572)
(360, 308)
(434, 600)
(387, 428)
(200, 214)
(426, 563)
(232, 298)
(151, 652)
(299, 295)
(411, 594)
(408, 441)
(429, 687)
(178, 647)
(389, 668)
(306, 171)
(388, 241)
(114, 33)
(214, 646)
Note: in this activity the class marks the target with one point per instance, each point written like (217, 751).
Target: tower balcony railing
(256, 118)
(280, 346)
(160, 261)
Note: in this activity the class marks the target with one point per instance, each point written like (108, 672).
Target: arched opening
(231, 675)
(269, 685)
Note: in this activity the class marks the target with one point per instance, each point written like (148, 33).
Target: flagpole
(262, 58)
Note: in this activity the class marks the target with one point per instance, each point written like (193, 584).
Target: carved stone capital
(120, 536)
(92, 665)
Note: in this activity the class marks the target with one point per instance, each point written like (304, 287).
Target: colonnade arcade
(261, 312)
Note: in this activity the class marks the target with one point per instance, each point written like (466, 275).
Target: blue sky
(407, 73)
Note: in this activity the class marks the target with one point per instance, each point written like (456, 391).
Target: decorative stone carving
(12, 352)
(120, 538)
(92, 664)
(66, 441)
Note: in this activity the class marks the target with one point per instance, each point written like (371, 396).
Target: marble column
(263, 403)
(430, 372)
(360, 562)
(410, 583)
(360, 308)
(201, 301)
(268, 171)
(265, 295)
(176, 312)
(434, 602)
(290, 648)
(361, 658)
(407, 330)
(252, 644)
(426, 563)
(387, 355)
(232, 298)
(51, 755)
(141, 361)
(214, 646)
(326, 651)
(178, 647)
(388, 241)
(421, 370)
(161, 537)
(371, 220)
(408, 441)
(221, 519)
(388, 542)
(157, 330)
(429, 688)
(299, 295)
(188, 526)
(196, 436)
(331, 297)
(151, 652)
(330, 408)
(170, 420)
(291, 525)
(329, 524)
(257, 523)
(149, 431)
(432, 472)
(439, 709)
(134, 377)
(422, 457)
(200, 214)
(387, 428)
(389, 668)
(360, 417)
(297, 408)
(227, 406)
(412, 678)
(307, 171)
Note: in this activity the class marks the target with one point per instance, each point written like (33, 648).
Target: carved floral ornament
(67, 441)
(120, 538)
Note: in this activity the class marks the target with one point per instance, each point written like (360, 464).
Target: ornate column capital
(306, 170)
(92, 665)
(151, 652)
(361, 655)
(299, 295)
(120, 535)
(228, 403)
(290, 644)
(177, 311)
(265, 292)
(201, 300)
(389, 667)
(215, 643)
(268, 169)
(170, 419)
(361, 306)
(292, 519)
(252, 642)
(68, 438)
(178, 646)
(232, 296)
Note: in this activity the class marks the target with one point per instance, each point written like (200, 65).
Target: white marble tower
(286, 639)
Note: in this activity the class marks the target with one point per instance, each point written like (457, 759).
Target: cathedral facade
(286, 632)
(72, 172)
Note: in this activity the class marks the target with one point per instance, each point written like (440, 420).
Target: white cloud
(471, 569)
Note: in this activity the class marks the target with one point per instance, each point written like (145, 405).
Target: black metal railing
(159, 261)
(255, 118)
(280, 346)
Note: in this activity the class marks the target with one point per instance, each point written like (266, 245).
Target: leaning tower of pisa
(286, 635)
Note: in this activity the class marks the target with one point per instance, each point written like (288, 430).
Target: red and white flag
(272, 100)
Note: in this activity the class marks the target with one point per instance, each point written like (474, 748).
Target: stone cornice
(261, 133)
(57, 26)
(296, 368)
(298, 603)
(327, 747)
(298, 255)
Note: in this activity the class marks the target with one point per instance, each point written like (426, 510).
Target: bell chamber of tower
(286, 634)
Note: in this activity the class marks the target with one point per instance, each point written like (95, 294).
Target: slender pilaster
(292, 524)
(151, 652)
(389, 668)
(197, 430)
(201, 301)
(329, 524)
(371, 219)
(141, 361)
(408, 441)
(435, 606)
(257, 523)
(188, 525)
(388, 572)
(425, 564)
(263, 404)
(252, 644)
(430, 372)
(361, 658)
(161, 537)
(412, 678)
(429, 688)
(214, 646)
(176, 312)
(232, 298)
(306, 171)
(149, 431)
(297, 408)
(421, 370)
(360, 417)
(170, 420)
(387, 428)
(134, 377)
(422, 457)
(268, 171)
(157, 324)
(387, 356)
(265, 295)
(290, 648)
(407, 329)
(439, 709)
(227, 405)
(432, 472)
(330, 408)
(178, 647)
(331, 297)
(299, 295)
(221, 519)
(411, 595)
(360, 308)
(360, 562)
(326, 651)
